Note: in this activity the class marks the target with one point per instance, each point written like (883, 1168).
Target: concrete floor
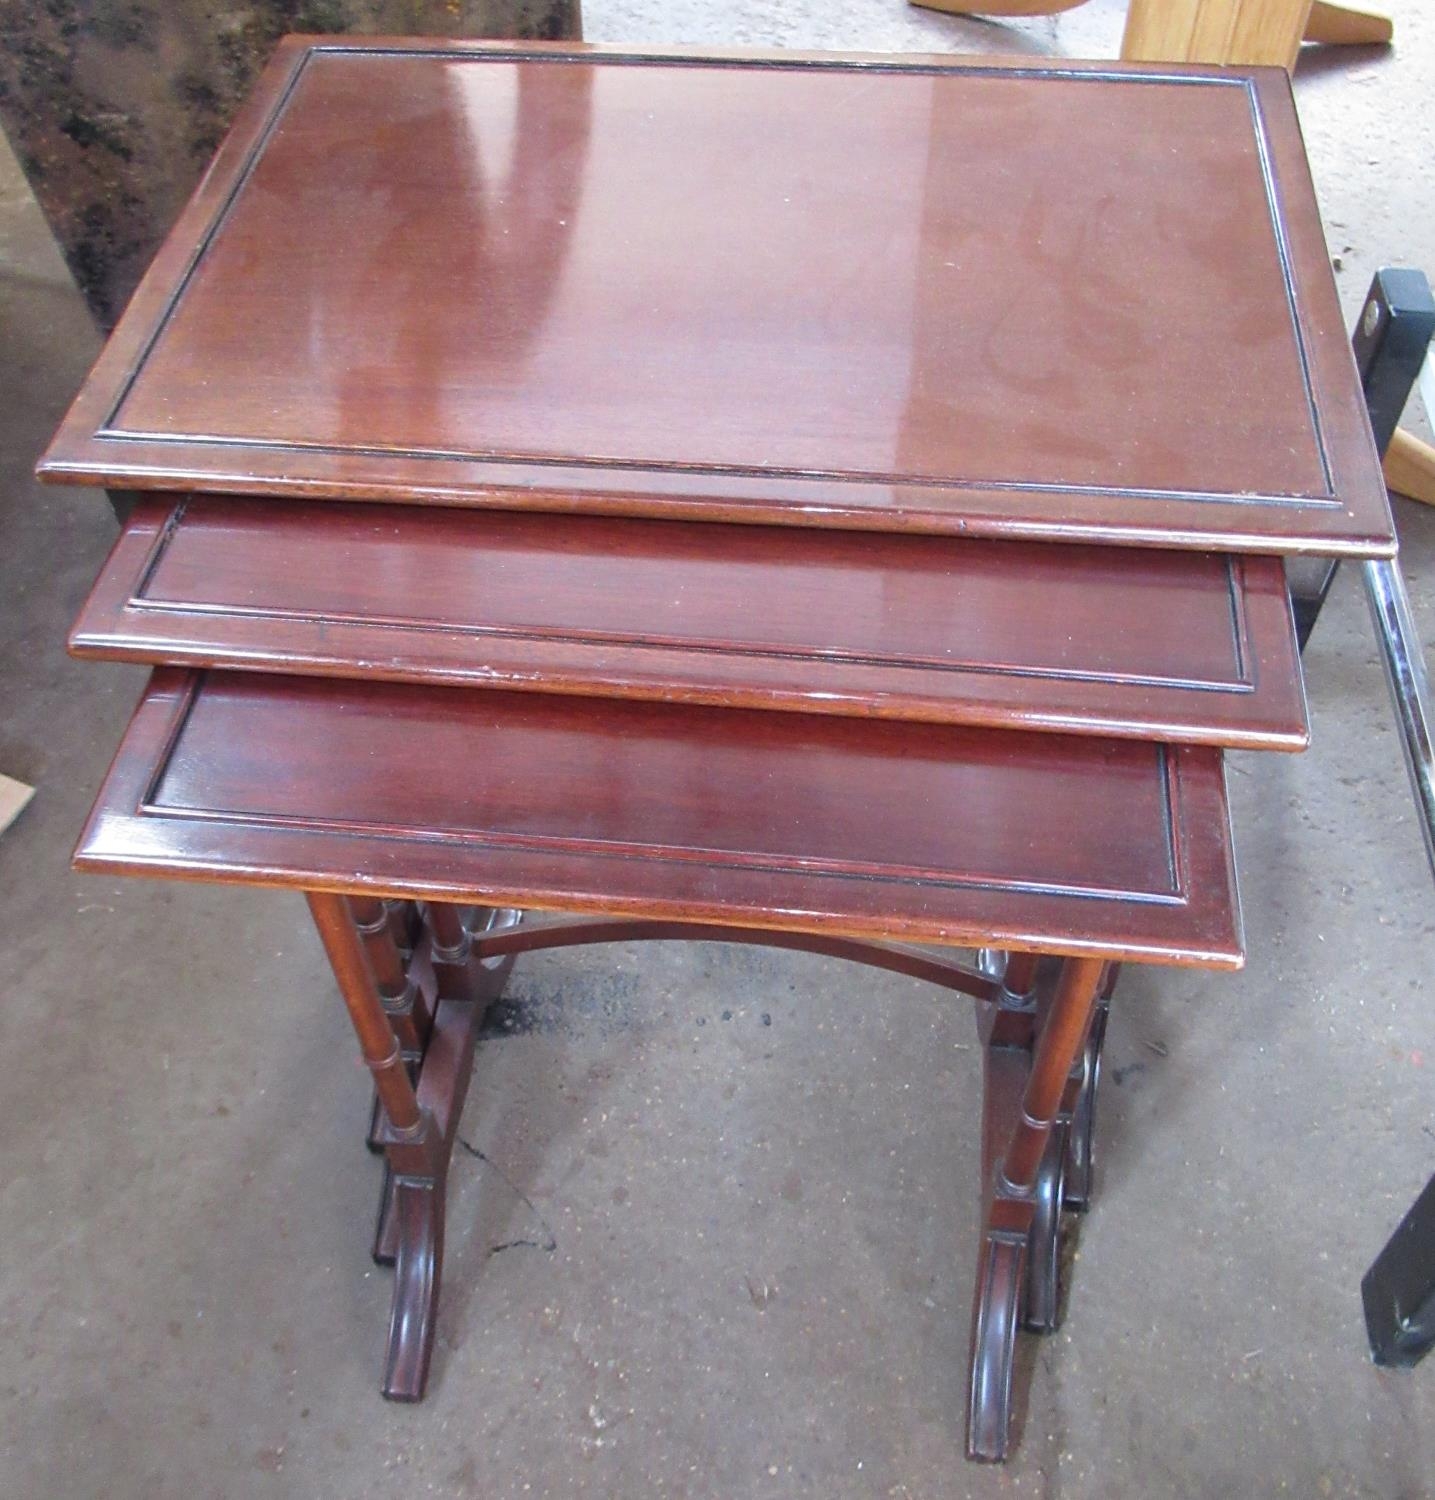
(718, 1241)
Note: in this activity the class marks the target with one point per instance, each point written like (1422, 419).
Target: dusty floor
(742, 1184)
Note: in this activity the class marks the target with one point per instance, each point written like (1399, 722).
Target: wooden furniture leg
(403, 923)
(417, 1136)
(410, 1010)
(449, 961)
(1025, 1008)
(1080, 1183)
(1041, 1068)
(409, 1135)
(1028, 1072)
(1065, 1181)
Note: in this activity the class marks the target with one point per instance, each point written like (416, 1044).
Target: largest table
(712, 496)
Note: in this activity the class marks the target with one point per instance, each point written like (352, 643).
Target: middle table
(1176, 646)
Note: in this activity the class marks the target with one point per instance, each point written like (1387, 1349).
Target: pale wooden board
(13, 797)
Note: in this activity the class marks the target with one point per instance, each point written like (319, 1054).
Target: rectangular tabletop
(1176, 646)
(1034, 299)
(793, 821)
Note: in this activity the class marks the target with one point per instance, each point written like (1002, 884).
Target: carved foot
(1041, 1311)
(418, 1214)
(994, 1325)
(1081, 1137)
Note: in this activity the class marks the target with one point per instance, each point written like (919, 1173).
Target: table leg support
(416, 1140)
(418, 1120)
(446, 963)
(1041, 1064)
(1030, 1078)
(1041, 1310)
(418, 1204)
(343, 944)
(1080, 1167)
(408, 1005)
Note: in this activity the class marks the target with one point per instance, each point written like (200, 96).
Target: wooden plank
(1167, 30)
(1179, 646)
(790, 821)
(1042, 300)
(14, 796)
(1410, 466)
(1345, 26)
(1266, 32)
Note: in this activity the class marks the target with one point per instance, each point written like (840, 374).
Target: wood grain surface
(1177, 646)
(872, 829)
(1028, 299)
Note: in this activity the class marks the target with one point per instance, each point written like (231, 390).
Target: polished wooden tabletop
(1176, 646)
(792, 821)
(1027, 299)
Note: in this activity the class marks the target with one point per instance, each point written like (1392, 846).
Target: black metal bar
(1395, 330)
(1399, 1289)
(1396, 325)
(1403, 658)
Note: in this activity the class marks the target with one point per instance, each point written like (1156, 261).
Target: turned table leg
(1031, 1076)
(381, 926)
(1080, 1167)
(403, 918)
(444, 988)
(447, 962)
(407, 1007)
(415, 1143)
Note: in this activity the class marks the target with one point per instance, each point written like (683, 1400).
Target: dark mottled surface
(115, 106)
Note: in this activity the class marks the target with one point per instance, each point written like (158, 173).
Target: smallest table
(844, 836)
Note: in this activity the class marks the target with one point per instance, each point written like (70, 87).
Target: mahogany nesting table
(833, 502)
